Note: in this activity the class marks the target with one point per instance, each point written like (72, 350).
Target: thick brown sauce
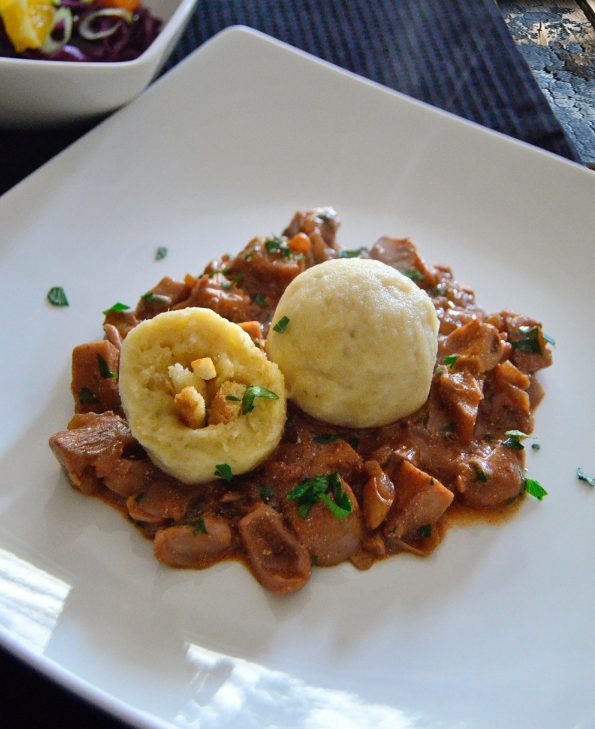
(457, 441)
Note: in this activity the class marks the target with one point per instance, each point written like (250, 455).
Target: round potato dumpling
(200, 396)
(356, 341)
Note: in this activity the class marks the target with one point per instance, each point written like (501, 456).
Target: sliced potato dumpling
(188, 380)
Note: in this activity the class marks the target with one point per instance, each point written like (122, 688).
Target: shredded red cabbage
(127, 43)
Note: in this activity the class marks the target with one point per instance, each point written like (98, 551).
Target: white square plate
(495, 630)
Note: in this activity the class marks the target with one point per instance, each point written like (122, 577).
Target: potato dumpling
(198, 393)
(356, 341)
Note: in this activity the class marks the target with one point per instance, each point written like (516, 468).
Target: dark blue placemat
(454, 54)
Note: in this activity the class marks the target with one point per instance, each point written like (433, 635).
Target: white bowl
(40, 93)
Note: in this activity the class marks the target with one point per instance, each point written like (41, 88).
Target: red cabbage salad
(76, 30)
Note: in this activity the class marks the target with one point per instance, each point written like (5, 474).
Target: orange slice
(27, 22)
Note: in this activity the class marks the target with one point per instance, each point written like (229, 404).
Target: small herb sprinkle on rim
(535, 446)
(199, 527)
(251, 393)
(259, 300)
(118, 306)
(57, 296)
(281, 325)
(451, 359)
(582, 476)
(223, 470)
(413, 274)
(86, 396)
(104, 370)
(233, 398)
(266, 492)
(354, 253)
(535, 489)
(425, 531)
(528, 341)
(160, 253)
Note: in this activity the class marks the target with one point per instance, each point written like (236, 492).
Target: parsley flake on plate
(582, 476)
(57, 297)
(451, 359)
(160, 253)
(535, 489)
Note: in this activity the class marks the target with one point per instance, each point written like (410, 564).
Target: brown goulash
(399, 480)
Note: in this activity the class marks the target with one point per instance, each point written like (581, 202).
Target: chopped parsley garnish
(118, 306)
(327, 217)
(199, 526)
(548, 339)
(451, 359)
(514, 439)
(311, 490)
(251, 393)
(440, 371)
(327, 437)
(354, 253)
(480, 476)
(529, 340)
(281, 325)
(223, 470)
(266, 492)
(413, 274)
(277, 245)
(535, 489)
(226, 285)
(104, 370)
(160, 253)
(233, 398)
(425, 531)
(535, 446)
(585, 477)
(259, 300)
(86, 395)
(152, 297)
(57, 297)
